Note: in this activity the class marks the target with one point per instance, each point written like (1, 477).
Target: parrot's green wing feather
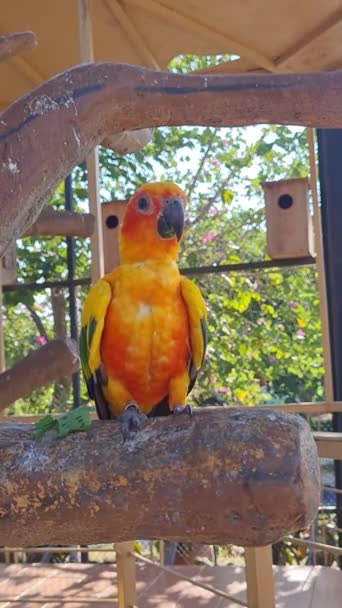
(93, 319)
(197, 315)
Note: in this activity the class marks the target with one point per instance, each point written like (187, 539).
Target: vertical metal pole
(330, 174)
(72, 291)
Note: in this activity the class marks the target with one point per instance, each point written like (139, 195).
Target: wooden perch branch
(45, 133)
(246, 477)
(62, 223)
(13, 44)
(54, 360)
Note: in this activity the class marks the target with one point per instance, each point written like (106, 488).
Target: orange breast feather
(145, 341)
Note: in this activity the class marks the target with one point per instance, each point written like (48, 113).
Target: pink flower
(40, 340)
(216, 162)
(293, 305)
(300, 334)
(213, 212)
(225, 389)
(210, 236)
(261, 321)
(255, 286)
(224, 142)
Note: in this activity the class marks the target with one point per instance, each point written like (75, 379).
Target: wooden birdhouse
(8, 266)
(112, 215)
(288, 219)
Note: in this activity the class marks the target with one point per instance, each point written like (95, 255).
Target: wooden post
(321, 275)
(322, 288)
(125, 567)
(259, 577)
(87, 54)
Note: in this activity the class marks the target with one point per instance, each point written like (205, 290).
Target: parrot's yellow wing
(197, 315)
(93, 319)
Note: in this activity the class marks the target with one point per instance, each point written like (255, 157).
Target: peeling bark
(246, 477)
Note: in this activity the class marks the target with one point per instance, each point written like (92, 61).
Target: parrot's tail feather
(192, 375)
(102, 408)
(161, 409)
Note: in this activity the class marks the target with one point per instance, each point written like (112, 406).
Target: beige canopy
(299, 35)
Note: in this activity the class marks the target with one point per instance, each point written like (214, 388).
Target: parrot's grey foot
(180, 409)
(131, 420)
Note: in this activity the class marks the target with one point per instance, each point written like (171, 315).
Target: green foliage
(264, 325)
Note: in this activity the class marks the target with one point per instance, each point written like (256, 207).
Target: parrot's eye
(143, 204)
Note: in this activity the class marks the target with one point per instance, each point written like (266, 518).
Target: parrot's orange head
(153, 223)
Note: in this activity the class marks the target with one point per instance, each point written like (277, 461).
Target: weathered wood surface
(47, 132)
(13, 44)
(54, 360)
(62, 223)
(246, 477)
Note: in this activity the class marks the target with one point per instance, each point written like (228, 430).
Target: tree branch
(14, 44)
(37, 321)
(210, 202)
(62, 223)
(201, 163)
(225, 475)
(55, 359)
(47, 132)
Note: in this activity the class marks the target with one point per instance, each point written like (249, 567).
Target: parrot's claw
(131, 420)
(180, 409)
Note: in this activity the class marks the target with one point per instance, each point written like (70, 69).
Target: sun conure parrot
(143, 336)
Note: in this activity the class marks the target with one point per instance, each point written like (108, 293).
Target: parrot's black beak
(171, 219)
